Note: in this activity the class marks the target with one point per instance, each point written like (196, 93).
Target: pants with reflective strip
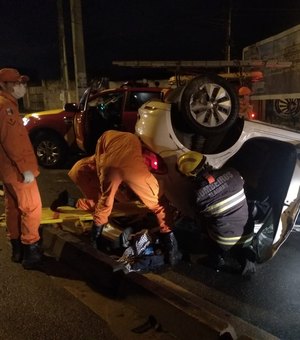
(235, 228)
(228, 242)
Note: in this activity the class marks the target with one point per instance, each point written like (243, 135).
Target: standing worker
(222, 208)
(18, 169)
(246, 108)
(118, 159)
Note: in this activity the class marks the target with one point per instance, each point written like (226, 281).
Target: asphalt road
(270, 300)
(34, 306)
(55, 303)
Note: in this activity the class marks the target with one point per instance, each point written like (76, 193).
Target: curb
(150, 293)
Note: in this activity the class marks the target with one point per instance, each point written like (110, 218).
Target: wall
(49, 95)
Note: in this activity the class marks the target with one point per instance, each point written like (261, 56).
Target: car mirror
(71, 107)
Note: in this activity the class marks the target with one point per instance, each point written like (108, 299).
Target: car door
(271, 172)
(134, 100)
(103, 112)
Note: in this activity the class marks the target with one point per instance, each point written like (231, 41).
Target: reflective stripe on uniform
(230, 241)
(226, 204)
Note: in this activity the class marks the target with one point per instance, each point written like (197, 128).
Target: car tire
(50, 149)
(288, 108)
(209, 105)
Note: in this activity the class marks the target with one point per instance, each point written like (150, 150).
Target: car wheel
(287, 108)
(209, 104)
(50, 150)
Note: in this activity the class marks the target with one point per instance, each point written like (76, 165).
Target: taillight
(154, 162)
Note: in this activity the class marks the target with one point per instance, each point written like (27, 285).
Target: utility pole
(78, 48)
(228, 38)
(65, 95)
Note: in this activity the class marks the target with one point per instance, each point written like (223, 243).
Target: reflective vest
(222, 205)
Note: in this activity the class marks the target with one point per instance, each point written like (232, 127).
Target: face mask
(19, 91)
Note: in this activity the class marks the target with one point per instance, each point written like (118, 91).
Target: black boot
(32, 256)
(249, 268)
(63, 199)
(173, 255)
(17, 250)
(96, 235)
(247, 258)
(216, 261)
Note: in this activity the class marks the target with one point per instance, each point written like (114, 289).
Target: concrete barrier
(177, 310)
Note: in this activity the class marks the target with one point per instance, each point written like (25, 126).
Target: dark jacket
(223, 208)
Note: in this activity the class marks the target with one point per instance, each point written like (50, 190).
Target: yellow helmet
(189, 161)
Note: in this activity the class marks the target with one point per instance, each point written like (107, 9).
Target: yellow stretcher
(78, 221)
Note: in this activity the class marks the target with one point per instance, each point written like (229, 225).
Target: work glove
(96, 235)
(28, 176)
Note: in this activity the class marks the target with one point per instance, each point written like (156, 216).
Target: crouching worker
(222, 208)
(18, 170)
(118, 159)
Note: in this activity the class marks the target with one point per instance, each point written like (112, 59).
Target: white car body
(155, 129)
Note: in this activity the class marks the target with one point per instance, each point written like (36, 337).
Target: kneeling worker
(118, 159)
(222, 207)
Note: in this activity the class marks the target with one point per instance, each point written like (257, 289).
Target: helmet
(244, 91)
(189, 161)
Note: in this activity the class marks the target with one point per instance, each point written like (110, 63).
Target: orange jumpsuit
(118, 159)
(22, 200)
(84, 175)
(246, 109)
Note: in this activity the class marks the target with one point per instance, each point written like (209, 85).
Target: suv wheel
(287, 108)
(209, 104)
(50, 150)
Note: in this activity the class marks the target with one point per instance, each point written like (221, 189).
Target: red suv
(112, 109)
(52, 131)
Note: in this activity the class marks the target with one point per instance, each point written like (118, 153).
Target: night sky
(137, 30)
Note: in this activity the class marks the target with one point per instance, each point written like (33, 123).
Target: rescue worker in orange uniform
(84, 175)
(246, 109)
(18, 172)
(222, 208)
(118, 159)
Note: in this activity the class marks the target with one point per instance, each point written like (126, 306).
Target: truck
(277, 96)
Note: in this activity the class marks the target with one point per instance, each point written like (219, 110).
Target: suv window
(103, 112)
(108, 105)
(137, 99)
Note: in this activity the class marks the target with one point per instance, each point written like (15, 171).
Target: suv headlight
(25, 121)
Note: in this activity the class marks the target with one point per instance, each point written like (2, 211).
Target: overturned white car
(203, 116)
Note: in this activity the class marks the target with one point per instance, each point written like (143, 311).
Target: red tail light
(154, 162)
